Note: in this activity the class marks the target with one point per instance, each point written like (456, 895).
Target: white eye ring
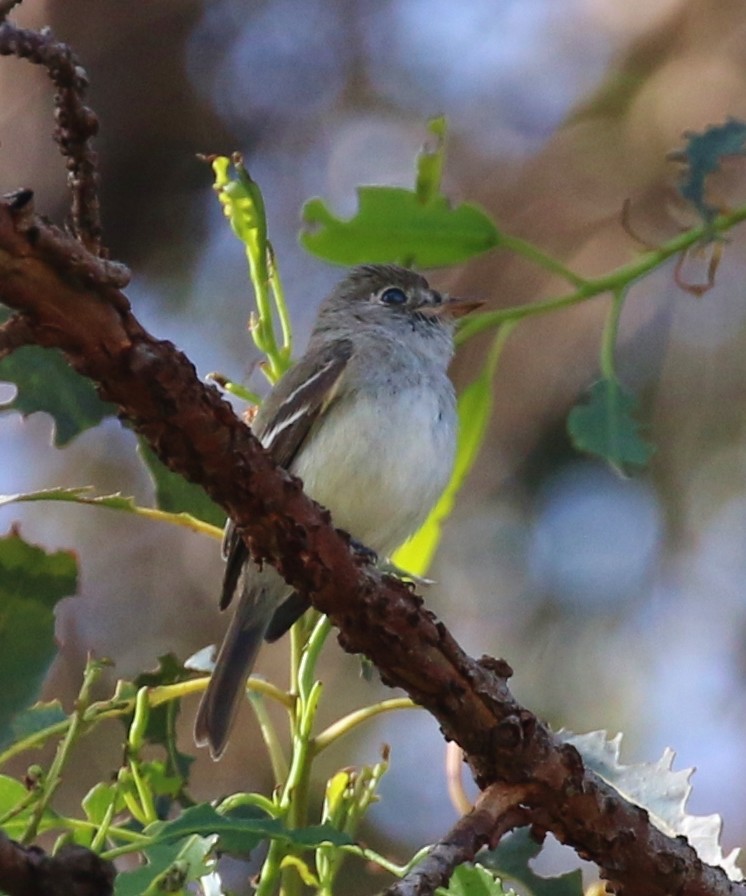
(393, 295)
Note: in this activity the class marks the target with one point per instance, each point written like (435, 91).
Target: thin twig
(76, 123)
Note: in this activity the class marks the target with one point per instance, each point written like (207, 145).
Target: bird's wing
(297, 402)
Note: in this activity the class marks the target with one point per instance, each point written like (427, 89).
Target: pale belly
(380, 496)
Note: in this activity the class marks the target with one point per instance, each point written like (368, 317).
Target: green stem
(118, 707)
(248, 799)
(99, 838)
(548, 262)
(19, 807)
(610, 333)
(621, 277)
(136, 840)
(351, 721)
(271, 740)
(283, 314)
(75, 728)
(294, 797)
(144, 793)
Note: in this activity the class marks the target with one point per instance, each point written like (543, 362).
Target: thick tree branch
(69, 306)
(73, 871)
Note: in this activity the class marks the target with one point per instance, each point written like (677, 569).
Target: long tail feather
(233, 666)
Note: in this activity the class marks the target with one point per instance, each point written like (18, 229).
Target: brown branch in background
(497, 811)
(76, 123)
(195, 432)
(72, 871)
(455, 778)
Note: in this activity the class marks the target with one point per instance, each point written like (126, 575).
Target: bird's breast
(380, 463)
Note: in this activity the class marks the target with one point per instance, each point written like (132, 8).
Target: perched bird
(367, 420)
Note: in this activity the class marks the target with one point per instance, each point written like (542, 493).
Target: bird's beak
(452, 306)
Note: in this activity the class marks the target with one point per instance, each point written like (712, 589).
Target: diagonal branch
(75, 306)
(497, 811)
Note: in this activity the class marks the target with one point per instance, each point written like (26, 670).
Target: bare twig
(76, 123)
(497, 811)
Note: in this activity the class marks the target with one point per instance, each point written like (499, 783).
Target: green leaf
(430, 162)
(393, 225)
(170, 868)
(473, 880)
(36, 718)
(13, 795)
(605, 426)
(82, 495)
(703, 154)
(45, 382)
(511, 859)
(31, 583)
(242, 829)
(98, 799)
(176, 495)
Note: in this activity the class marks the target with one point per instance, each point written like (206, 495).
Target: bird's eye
(393, 296)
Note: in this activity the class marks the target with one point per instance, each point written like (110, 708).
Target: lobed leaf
(473, 880)
(45, 382)
(393, 225)
(512, 859)
(604, 425)
(702, 156)
(661, 791)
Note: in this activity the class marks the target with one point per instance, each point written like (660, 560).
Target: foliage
(305, 844)
(73, 403)
(31, 583)
(702, 157)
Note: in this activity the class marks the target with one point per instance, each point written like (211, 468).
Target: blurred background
(621, 603)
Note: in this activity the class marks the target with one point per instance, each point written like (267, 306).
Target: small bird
(367, 419)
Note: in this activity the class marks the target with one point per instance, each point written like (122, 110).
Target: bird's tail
(227, 684)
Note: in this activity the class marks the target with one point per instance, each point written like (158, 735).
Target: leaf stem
(530, 252)
(610, 333)
(622, 277)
